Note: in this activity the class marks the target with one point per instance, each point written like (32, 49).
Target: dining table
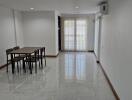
(23, 51)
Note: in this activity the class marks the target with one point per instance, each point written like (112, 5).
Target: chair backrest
(42, 50)
(36, 52)
(8, 51)
(15, 48)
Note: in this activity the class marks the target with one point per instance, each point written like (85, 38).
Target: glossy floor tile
(70, 76)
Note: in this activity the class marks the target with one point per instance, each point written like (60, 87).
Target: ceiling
(63, 6)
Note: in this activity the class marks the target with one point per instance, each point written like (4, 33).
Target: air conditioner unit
(103, 7)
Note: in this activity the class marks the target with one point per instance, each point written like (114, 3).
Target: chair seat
(20, 56)
(30, 60)
(38, 56)
(15, 59)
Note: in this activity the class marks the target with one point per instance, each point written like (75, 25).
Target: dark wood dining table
(24, 51)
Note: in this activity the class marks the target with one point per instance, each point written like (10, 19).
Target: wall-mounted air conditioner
(103, 6)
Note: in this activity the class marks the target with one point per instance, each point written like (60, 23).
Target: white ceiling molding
(63, 6)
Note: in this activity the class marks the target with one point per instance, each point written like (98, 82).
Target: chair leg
(24, 68)
(42, 62)
(35, 67)
(32, 65)
(39, 64)
(45, 57)
(7, 67)
(45, 61)
(7, 64)
(20, 66)
(17, 67)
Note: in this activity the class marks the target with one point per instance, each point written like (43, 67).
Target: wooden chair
(30, 59)
(15, 48)
(19, 56)
(42, 50)
(8, 55)
(41, 55)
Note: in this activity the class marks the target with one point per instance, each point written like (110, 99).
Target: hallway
(70, 76)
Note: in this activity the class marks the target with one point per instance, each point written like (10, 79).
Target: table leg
(35, 66)
(24, 69)
(44, 57)
(12, 63)
(30, 67)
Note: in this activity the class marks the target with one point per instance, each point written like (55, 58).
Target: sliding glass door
(75, 34)
(81, 35)
(69, 34)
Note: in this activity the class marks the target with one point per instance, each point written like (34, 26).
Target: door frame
(99, 17)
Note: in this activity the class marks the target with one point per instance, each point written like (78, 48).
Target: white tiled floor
(70, 76)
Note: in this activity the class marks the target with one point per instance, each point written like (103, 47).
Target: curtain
(75, 31)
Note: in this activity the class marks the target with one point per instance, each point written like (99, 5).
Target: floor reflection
(70, 76)
(75, 67)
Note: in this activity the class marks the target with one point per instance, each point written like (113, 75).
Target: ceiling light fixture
(77, 7)
(31, 8)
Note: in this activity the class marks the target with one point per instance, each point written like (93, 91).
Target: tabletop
(25, 50)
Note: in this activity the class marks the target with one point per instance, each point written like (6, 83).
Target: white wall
(11, 33)
(91, 32)
(96, 41)
(39, 30)
(116, 46)
(97, 37)
(7, 34)
(19, 28)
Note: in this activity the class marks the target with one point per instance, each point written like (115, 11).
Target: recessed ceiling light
(77, 7)
(31, 8)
